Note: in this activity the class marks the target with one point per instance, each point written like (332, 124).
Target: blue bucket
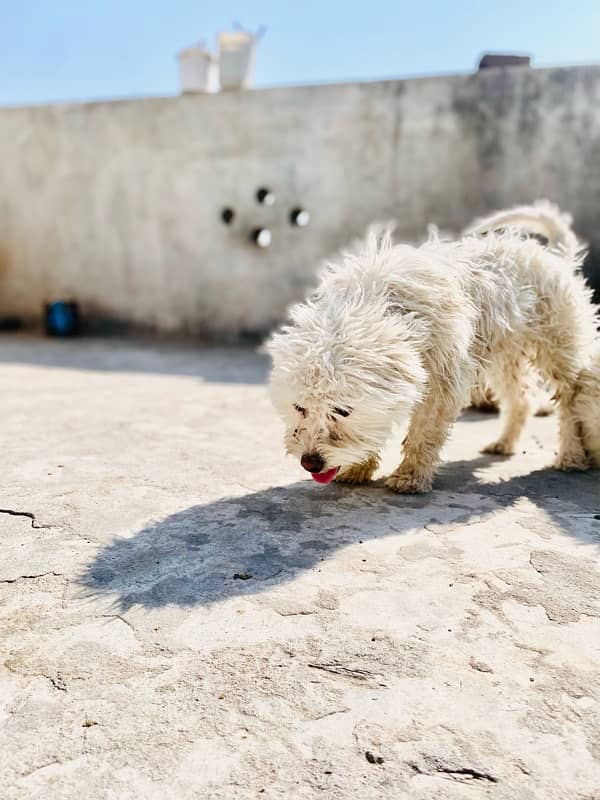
(62, 318)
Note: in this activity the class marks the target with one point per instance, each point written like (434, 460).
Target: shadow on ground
(212, 364)
(248, 544)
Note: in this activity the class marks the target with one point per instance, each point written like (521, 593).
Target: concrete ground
(183, 614)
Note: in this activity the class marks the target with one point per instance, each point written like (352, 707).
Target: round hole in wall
(227, 215)
(261, 237)
(265, 196)
(300, 217)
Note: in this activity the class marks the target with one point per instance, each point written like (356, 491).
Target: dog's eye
(341, 412)
(300, 410)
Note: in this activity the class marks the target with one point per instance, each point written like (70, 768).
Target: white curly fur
(401, 332)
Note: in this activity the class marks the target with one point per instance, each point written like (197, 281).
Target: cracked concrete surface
(184, 615)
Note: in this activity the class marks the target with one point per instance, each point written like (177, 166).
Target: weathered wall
(118, 204)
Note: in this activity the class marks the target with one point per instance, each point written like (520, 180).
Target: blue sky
(88, 49)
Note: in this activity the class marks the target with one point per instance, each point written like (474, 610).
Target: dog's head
(343, 374)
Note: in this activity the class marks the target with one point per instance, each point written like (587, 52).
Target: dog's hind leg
(587, 408)
(429, 427)
(560, 366)
(571, 452)
(359, 473)
(511, 386)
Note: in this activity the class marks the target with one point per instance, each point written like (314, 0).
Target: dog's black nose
(312, 462)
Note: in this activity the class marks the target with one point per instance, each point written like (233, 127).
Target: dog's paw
(409, 482)
(577, 461)
(499, 448)
(359, 473)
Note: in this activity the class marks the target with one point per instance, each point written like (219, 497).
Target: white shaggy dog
(399, 332)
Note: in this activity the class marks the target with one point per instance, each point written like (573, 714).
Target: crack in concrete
(461, 774)
(345, 672)
(538, 569)
(27, 514)
(331, 714)
(480, 666)
(295, 613)
(57, 682)
(32, 577)
(37, 769)
(585, 515)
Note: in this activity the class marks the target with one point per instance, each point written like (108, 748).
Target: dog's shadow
(248, 544)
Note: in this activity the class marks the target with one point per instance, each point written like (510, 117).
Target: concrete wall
(118, 204)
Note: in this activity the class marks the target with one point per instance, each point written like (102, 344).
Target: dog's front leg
(427, 433)
(359, 473)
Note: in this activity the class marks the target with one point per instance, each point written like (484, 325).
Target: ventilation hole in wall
(300, 217)
(227, 215)
(265, 196)
(261, 237)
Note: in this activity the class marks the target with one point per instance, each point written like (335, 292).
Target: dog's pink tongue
(325, 477)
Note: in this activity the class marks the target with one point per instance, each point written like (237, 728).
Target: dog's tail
(587, 408)
(543, 221)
